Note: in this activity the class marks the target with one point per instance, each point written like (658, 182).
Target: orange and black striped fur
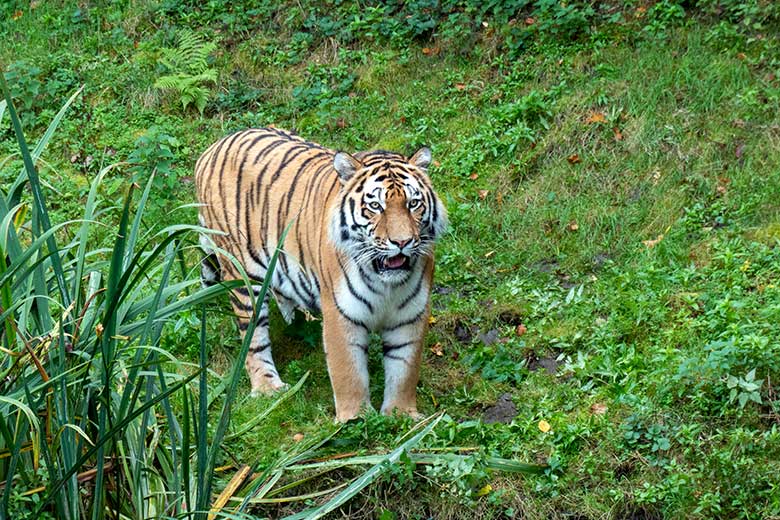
(360, 251)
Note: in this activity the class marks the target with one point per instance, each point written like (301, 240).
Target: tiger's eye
(375, 206)
(414, 203)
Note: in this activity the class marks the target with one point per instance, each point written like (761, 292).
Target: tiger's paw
(410, 411)
(269, 387)
(345, 415)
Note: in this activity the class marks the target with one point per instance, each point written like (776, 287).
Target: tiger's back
(251, 185)
(359, 250)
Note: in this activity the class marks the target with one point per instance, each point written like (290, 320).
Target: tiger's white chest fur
(367, 299)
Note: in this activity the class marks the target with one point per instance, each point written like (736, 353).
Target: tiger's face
(388, 215)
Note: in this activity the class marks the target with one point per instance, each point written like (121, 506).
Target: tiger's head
(387, 215)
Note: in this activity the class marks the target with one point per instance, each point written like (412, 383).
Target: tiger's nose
(400, 244)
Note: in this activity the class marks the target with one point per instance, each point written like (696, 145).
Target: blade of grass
(235, 373)
(425, 427)
(38, 198)
(260, 417)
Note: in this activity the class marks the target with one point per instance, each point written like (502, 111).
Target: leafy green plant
(188, 69)
(153, 157)
(744, 389)
(25, 86)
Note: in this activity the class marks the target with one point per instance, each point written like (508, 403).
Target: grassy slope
(648, 336)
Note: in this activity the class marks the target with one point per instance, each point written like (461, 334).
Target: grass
(614, 191)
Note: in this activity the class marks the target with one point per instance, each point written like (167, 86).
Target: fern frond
(189, 70)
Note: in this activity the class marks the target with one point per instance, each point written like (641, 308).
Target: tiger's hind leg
(210, 268)
(259, 363)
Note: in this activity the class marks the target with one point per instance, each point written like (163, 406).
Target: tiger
(359, 251)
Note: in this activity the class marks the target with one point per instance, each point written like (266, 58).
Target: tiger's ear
(345, 165)
(421, 158)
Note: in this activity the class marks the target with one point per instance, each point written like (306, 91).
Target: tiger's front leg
(346, 354)
(402, 352)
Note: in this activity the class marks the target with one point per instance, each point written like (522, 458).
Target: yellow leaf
(485, 490)
(544, 426)
(432, 320)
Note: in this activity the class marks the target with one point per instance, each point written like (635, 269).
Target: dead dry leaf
(596, 117)
(473, 176)
(437, 349)
(653, 242)
(483, 194)
(598, 409)
(618, 134)
(573, 226)
(544, 426)
(574, 159)
(521, 329)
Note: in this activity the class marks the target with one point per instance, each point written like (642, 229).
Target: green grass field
(608, 292)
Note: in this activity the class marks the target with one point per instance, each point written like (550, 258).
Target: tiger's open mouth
(392, 263)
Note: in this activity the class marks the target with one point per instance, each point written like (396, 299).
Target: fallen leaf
(432, 320)
(741, 55)
(530, 20)
(721, 189)
(17, 15)
(598, 409)
(573, 226)
(596, 117)
(473, 176)
(499, 198)
(487, 488)
(436, 163)
(618, 134)
(739, 123)
(483, 194)
(574, 159)
(341, 123)
(460, 86)
(640, 12)
(544, 426)
(652, 242)
(298, 437)
(99, 330)
(521, 329)
(437, 349)
(740, 150)
(431, 51)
